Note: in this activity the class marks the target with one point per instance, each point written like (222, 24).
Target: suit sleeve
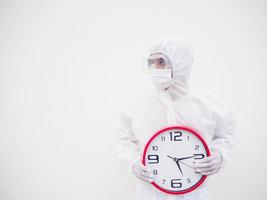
(223, 138)
(127, 145)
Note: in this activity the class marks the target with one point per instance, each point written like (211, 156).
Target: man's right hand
(141, 171)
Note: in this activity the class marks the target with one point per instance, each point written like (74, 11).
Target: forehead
(156, 56)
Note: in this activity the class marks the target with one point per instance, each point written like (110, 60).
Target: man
(169, 104)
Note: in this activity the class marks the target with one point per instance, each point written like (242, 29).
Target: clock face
(171, 154)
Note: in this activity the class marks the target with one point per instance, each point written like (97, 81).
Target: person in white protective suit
(168, 103)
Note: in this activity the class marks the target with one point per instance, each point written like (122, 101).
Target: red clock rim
(186, 129)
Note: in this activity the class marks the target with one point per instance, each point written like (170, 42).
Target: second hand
(188, 165)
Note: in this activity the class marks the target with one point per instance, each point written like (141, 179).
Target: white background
(65, 67)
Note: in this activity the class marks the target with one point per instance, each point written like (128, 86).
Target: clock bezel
(192, 131)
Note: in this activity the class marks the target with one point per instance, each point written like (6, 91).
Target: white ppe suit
(156, 108)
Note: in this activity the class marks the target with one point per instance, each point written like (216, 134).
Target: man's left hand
(209, 165)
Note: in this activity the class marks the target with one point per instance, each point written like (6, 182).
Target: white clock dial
(171, 154)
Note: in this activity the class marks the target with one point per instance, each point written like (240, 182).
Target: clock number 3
(198, 156)
(176, 136)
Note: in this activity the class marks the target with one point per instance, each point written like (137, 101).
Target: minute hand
(178, 159)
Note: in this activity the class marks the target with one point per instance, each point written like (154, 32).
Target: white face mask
(161, 78)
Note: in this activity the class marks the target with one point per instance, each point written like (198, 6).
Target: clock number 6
(176, 136)
(153, 159)
(175, 183)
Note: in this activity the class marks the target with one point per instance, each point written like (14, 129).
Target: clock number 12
(176, 136)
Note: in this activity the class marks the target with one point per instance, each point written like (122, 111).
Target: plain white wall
(65, 67)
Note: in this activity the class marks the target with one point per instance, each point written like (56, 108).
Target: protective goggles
(157, 61)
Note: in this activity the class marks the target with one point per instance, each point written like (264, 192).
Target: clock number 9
(153, 159)
(176, 136)
(175, 183)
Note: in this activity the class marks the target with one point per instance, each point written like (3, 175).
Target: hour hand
(177, 162)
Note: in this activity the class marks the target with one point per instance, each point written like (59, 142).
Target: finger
(204, 165)
(146, 174)
(208, 169)
(144, 168)
(208, 173)
(205, 160)
(207, 164)
(145, 177)
(217, 170)
(211, 172)
(204, 170)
